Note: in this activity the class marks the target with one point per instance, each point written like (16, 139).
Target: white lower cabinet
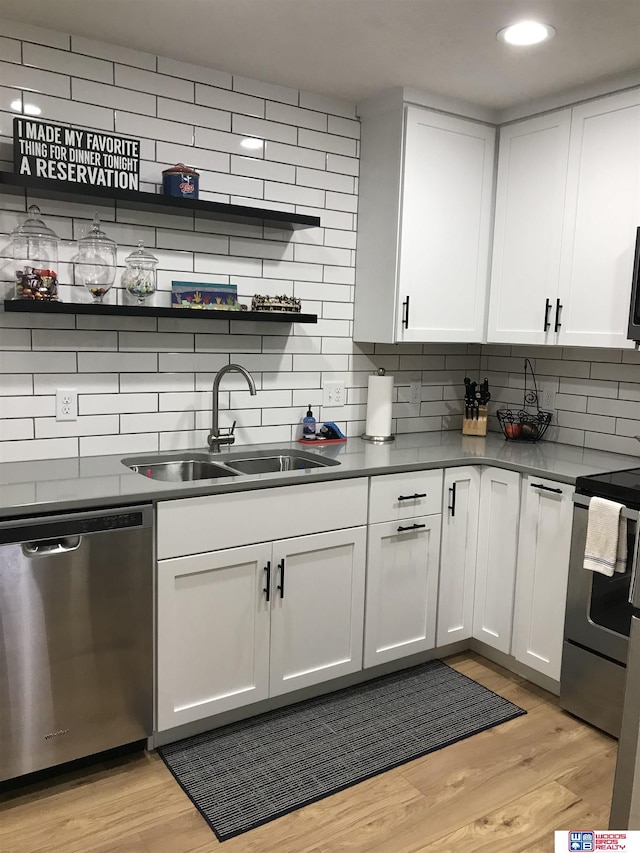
(239, 625)
(496, 557)
(458, 554)
(213, 633)
(317, 607)
(402, 588)
(543, 566)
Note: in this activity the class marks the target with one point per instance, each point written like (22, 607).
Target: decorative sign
(44, 150)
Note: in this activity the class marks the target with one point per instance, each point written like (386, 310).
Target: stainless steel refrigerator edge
(76, 636)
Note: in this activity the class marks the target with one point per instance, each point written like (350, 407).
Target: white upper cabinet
(602, 213)
(567, 210)
(525, 273)
(424, 224)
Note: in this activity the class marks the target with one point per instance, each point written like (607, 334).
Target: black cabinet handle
(412, 497)
(411, 527)
(280, 586)
(546, 488)
(558, 310)
(405, 313)
(267, 588)
(452, 505)
(547, 308)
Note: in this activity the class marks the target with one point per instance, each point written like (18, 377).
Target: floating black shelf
(226, 212)
(28, 306)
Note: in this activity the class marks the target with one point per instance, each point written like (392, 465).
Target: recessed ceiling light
(32, 110)
(526, 32)
(251, 143)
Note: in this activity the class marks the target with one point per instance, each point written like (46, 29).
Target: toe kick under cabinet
(259, 593)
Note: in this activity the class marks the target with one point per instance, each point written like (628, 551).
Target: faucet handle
(233, 428)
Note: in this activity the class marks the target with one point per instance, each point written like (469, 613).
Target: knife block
(471, 426)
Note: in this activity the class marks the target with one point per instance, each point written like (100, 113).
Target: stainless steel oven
(634, 310)
(596, 633)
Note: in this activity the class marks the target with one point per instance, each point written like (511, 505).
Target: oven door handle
(634, 586)
(583, 502)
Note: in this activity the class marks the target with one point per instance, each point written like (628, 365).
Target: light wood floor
(504, 790)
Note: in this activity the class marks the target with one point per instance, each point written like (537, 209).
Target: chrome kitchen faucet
(215, 440)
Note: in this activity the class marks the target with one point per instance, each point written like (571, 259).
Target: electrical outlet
(333, 394)
(66, 404)
(415, 392)
(547, 399)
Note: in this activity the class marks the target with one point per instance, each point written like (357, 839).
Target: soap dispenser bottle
(309, 425)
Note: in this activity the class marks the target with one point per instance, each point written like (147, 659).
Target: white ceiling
(355, 48)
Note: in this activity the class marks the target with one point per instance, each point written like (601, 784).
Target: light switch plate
(66, 404)
(333, 394)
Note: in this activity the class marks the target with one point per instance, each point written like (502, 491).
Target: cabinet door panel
(601, 217)
(213, 633)
(402, 589)
(458, 554)
(497, 554)
(317, 621)
(446, 212)
(543, 568)
(532, 174)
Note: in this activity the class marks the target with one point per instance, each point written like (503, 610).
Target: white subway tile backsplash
(293, 194)
(344, 127)
(282, 153)
(156, 421)
(154, 83)
(27, 407)
(104, 404)
(112, 96)
(155, 342)
(101, 445)
(34, 80)
(9, 49)
(191, 362)
(114, 362)
(192, 241)
(70, 112)
(261, 249)
(133, 383)
(296, 116)
(16, 384)
(327, 142)
(112, 52)
(267, 91)
(65, 62)
(324, 180)
(50, 339)
(258, 168)
(55, 448)
(321, 255)
(29, 32)
(234, 185)
(154, 128)
(217, 140)
(38, 362)
(90, 425)
(197, 73)
(342, 201)
(343, 165)
(15, 339)
(223, 99)
(189, 113)
(324, 104)
(291, 270)
(260, 129)
(16, 428)
(221, 265)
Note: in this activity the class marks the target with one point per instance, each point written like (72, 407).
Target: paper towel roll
(379, 398)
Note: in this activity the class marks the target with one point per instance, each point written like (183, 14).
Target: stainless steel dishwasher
(76, 636)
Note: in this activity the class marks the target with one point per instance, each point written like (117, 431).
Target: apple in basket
(512, 430)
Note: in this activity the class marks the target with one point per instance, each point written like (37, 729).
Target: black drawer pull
(405, 313)
(411, 497)
(267, 588)
(280, 586)
(411, 527)
(546, 488)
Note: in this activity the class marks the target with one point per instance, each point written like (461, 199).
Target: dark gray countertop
(28, 488)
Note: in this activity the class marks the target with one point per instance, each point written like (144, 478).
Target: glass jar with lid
(96, 261)
(35, 253)
(139, 276)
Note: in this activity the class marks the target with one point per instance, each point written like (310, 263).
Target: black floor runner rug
(248, 773)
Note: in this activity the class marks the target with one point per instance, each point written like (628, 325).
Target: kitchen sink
(185, 467)
(178, 469)
(269, 462)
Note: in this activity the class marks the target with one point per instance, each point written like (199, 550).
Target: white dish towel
(606, 548)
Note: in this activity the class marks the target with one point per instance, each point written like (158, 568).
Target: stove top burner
(622, 486)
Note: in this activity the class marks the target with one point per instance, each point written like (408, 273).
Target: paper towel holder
(378, 439)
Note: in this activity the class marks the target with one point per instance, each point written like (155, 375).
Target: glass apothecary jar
(35, 253)
(96, 261)
(139, 277)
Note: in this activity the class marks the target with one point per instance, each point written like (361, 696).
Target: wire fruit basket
(530, 422)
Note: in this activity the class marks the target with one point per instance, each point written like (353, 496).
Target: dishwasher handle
(51, 548)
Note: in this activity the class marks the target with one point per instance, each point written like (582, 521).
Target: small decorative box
(181, 181)
(213, 297)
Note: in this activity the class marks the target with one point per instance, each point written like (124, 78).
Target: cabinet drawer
(195, 525)
(396, 496)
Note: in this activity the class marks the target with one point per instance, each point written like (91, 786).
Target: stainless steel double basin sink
(185, 467)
